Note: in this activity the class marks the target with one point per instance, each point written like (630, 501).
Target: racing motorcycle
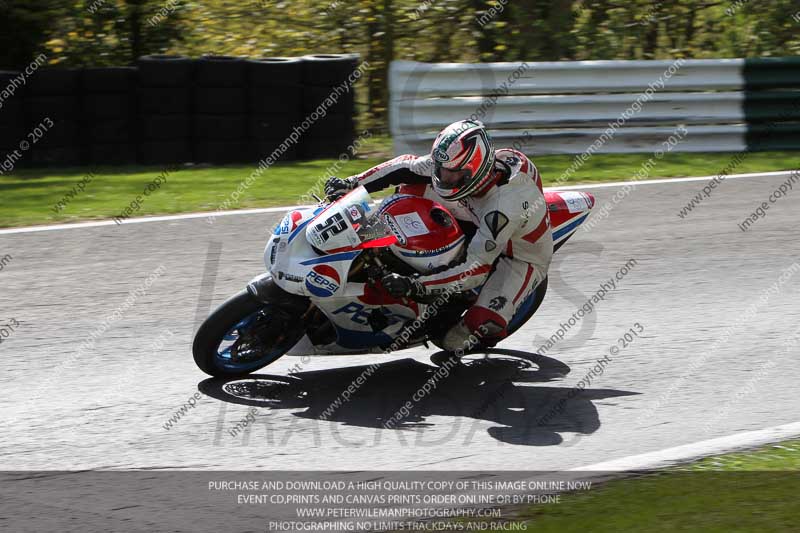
(321, 292)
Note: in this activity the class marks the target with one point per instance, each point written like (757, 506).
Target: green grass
(776, 457)
(28, 196)
(749, 491)
(614, 167)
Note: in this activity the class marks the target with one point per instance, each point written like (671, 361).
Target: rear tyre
(528, 308)
(522, 315)
(242, 336)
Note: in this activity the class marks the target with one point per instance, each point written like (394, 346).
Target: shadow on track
(481, 388)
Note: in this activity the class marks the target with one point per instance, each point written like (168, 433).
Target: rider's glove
(335, 187)
(402, 286)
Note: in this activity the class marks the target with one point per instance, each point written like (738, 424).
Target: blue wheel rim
(224, 356)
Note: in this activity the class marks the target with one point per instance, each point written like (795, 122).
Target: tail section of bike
(568, 210)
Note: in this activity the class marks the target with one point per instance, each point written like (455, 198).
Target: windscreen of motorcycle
(344, 225)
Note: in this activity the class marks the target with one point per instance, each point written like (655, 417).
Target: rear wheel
(528, 308)
(243, 335)
(524, 313)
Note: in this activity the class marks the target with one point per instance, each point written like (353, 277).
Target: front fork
(288, 306)
(264, 289)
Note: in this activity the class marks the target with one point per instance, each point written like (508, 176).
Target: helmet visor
(451, 179)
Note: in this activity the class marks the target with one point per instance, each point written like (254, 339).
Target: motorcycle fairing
(295, 221)
(568, 210)
(348, 306)
(343, 225)
(296, 267)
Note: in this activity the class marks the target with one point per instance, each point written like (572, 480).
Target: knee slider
(483, 322)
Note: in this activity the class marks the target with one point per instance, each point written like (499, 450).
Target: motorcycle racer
(500, 192)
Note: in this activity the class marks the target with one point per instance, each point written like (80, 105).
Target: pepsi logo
(323, 281)
(289, 223)
(297, 216)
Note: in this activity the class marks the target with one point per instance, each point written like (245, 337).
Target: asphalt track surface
(686, 379)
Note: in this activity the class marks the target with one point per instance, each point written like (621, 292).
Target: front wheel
(243, 335)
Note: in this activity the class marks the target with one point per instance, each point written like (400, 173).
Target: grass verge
(30, 197)
(748, 491)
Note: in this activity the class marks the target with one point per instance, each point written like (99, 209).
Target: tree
(113, 32)
(23, 28)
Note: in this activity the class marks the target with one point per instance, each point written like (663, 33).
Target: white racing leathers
(513, 244)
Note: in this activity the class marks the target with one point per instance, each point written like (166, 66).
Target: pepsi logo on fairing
(323, 281)
(289, 223)
(296, 216)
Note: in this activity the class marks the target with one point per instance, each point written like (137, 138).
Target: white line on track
(164, 218)
(187, 216)
(670, 180)
(697, 450)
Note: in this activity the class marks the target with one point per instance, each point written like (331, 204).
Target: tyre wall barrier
(12, 116)
(174, 109)
(330, 135)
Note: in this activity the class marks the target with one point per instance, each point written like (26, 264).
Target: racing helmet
(428, 236)
(463, 159)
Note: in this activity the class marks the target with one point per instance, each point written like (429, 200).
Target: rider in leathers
(500, 192)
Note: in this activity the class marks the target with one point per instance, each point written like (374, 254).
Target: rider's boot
(480, 328)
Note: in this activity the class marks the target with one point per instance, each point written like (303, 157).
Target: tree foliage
(107, 32)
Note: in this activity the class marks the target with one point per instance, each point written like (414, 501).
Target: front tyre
(243, 335)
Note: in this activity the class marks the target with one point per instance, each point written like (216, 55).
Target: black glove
(335, 187)
(402, 286)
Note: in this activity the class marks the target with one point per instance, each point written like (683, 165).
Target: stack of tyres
(165, 109)
(109, 107)
(220, 120)
(12, 123)
(54, 124)
(327, 82)
(276, 107)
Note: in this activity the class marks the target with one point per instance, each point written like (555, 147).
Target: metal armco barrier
(633, 106)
